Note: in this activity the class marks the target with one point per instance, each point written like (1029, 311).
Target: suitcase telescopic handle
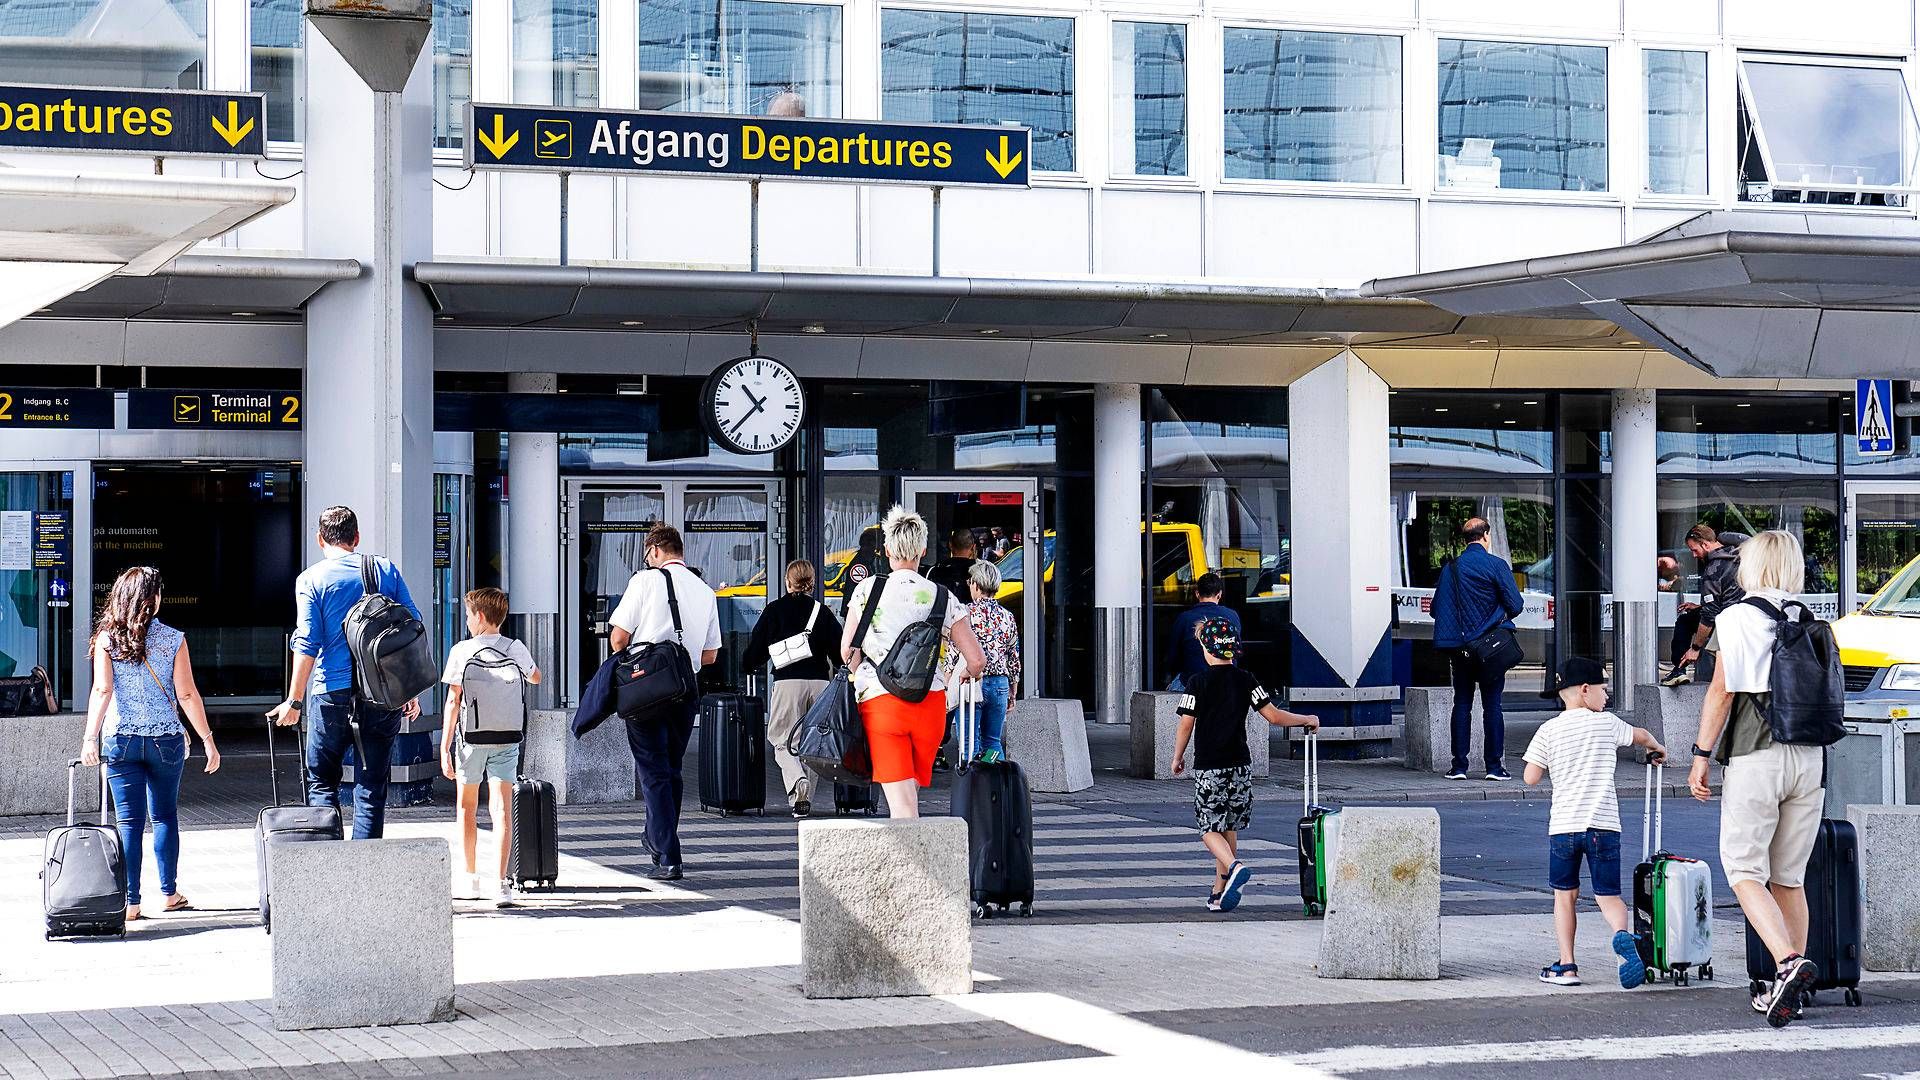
(1651, 813)
(1311, 785)
(106, 798)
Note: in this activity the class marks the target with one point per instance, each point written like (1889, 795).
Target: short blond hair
(800, 575)
(906, 534)
(1772, 560)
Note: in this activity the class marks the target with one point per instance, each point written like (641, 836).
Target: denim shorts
(1601, 849)
(478, 764)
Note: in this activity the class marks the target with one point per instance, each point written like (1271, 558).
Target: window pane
(279, 42)
(1676, 122)
(159, 43)
(949, 67)
(1746, 433)
(1523, 116)
(1442, 432)
(556, 52)
(452, 69)
(1823, 125)
(1806, 508)
(740, 56)
(1149, 99)
(1312, 106)
(1203, 432)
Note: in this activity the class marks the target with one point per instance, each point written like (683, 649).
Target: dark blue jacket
(596, 700)
(1184, 655)
(1475, 593)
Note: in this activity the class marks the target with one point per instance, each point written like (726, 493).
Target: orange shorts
(904, 736)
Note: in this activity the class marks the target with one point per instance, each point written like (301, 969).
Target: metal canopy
(1738, 294)
(203, 287)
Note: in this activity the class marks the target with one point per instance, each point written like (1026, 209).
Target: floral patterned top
(999, 636)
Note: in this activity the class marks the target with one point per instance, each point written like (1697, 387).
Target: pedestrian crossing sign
(1873, 416)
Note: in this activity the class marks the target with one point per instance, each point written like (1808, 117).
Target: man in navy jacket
(1475, 594)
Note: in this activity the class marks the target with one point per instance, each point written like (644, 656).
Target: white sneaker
(503, 894)
(466, 887)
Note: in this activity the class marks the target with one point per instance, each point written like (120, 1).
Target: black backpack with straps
(1806, 703)
(908, 669)
(393, 660)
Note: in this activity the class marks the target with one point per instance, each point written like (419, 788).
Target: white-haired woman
(903, 735)
(1771, 796)
(999, 636)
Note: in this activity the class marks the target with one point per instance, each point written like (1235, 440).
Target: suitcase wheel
(1706, 971)
(982, 911)
(1853, 996)
(1026, 910)
(1755, 986)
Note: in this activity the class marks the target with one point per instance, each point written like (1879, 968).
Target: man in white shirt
(659, 742)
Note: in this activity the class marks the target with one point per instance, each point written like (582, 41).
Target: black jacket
(1719, 577)
(784, 618)
(953, 573)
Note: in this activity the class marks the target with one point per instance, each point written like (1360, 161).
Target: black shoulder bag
(1495, 650)
(648, 676)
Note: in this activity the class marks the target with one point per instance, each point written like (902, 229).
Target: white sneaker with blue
(1561, 974)
(1633, 970)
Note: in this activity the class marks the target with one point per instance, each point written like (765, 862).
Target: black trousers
(659, 743)
(1685, 625)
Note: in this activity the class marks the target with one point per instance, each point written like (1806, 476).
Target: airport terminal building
(1283, 298)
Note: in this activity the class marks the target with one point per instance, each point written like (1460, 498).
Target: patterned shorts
(1223, 799)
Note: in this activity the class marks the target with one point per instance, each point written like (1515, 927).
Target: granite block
(35, 751)
(1048, 737)
(594, 769)
(1889, 850)
(884, 908)
(1153, 725)
(1383, 896)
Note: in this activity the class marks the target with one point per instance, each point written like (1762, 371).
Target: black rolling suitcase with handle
(855, 799)
(998, 808)
(733, 764)
(1833, 916)
(533, 851)
(83, 882)
(288, 825)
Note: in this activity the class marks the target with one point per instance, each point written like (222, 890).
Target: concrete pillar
(533, 538)
(1342, 552)
(1119, 462)
(1635, 544)
(369, 375)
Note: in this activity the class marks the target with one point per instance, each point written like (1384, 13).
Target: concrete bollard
(884, 908)
(362, 933)
(596, 769)
(1428, 730)
(1383, 896)
(1889, 850)
(1672, 713)
(35, 751)
(1048, 737)
(1153, 725)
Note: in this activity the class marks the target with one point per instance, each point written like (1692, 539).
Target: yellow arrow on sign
(233, 130)
(501, 141)
(1003, 164)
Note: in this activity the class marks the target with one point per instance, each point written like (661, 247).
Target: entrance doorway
(1004, 518)
(732, 531)
(1883, 535)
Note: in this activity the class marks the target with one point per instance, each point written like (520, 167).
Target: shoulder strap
(937, 615)
(673, 606)
(866, 614)
(1774, 613)
(369, 576)
(813, 616)
(156, 681)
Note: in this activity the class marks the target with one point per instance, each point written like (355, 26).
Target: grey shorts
(1223, 799)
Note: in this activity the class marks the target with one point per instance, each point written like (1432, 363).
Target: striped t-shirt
(1578, 748)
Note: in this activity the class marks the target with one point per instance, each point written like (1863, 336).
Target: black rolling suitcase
(287, 825)
(998, 808)
(1833, 916)
(83, 883)
(533, 853)
(733, 739)
(855, 799)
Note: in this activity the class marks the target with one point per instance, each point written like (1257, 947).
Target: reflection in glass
(1886, 539)
(1207, 432)
(1745, 433)
(1676, 122)
(279, 49)
(452, 492)
(1302, 106)
(1149, 99)
(1528, 116)
(1478, 432)
(1806, 508)
(1824, 129)
(1521, 514)
(452, 70)
(35, 634)
(1238, 528)
(623, 452)
(971, 68)
(556, 52)
(146, 43)
(744, 57)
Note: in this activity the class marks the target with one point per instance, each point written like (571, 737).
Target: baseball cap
(1580, 671)
(1218, 638)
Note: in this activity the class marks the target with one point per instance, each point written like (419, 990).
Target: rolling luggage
(855, 799)
(733, 739)
(1672, 901)
(998, 808)
(287, 825)
(1833, 916)
(83, 883)
(533, 853)
(1319, 835)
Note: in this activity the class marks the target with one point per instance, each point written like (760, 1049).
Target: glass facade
(1515, 115)
(754, 57)
(279, 66)
(160, 44)
(452, 70)
(556, 52)
(38, 628)
(1149, 99)
(1676, 85)
(953, 67)
(1309, 106)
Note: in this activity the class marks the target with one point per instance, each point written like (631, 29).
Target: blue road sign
(788, 148)
(151, 123)
(1873, 416)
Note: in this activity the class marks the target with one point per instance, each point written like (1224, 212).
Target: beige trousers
(791, 700)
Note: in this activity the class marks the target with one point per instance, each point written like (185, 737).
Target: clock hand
(737, 424)
(758, 403)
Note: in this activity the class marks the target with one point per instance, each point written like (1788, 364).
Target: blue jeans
(1601, 849)
(993, 712)
(1467, 677)
(329, 735)
(144, 773)
(659, 744)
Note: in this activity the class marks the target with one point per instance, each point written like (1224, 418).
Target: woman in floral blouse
(999, 638)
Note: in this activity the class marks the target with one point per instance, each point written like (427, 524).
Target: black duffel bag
(831, 739)
(654, 674)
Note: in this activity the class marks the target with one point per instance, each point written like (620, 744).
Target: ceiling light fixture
(1480, 341)
(631, 322)
(987, 331)
(1439, 408)
(1156, 337)
(1630, 343)
(813, 328)
(630, 389)
(1529, 403)
(1743, 405)
(244, 314)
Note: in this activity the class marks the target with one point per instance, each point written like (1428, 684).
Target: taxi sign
(151, 123)
(552, 139)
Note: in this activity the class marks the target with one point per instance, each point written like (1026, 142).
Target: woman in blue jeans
(142, 683)
(999, 637)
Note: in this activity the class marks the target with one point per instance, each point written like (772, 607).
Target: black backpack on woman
(908, 669)
(1806, 703)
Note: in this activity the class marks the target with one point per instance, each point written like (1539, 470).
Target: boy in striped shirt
(1579, 748)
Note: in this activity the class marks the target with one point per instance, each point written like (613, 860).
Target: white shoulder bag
(791, 650)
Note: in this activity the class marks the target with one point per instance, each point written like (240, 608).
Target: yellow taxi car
(1880, 644)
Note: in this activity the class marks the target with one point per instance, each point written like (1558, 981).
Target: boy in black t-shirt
(1213, 716)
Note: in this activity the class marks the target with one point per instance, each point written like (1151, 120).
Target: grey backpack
(908, 668)
(493, 699)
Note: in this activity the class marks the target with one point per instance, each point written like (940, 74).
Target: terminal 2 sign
(791, 148)
(151, 123)
(214, 410)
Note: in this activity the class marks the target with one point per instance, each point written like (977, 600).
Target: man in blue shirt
(323, 595)
(1475, 594)
(1183, 654)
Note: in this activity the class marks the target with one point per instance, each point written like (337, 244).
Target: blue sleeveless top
(140, 705)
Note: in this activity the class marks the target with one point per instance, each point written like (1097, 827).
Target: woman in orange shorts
(902, 735)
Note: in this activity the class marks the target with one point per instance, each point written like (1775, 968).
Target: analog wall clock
(753, 405)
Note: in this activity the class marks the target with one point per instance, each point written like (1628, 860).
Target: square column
(1119, 580)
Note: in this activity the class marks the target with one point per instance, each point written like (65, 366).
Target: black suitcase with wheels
(83, 882)
(733, 739)
(855, 798)
(998, 808)
(287, 825)
(1833, 916)
(533, 852)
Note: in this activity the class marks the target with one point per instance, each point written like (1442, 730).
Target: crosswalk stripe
(1805, 1039)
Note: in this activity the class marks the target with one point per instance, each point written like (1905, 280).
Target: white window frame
(1745, 97)
(1607, 196)
(1115, 175)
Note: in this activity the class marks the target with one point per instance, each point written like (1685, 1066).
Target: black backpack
(393, 660)
(908, 668)
(1807, 702)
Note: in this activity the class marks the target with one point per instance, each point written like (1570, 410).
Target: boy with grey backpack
(487, 675)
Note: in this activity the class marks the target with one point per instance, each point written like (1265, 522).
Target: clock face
(754, 405)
